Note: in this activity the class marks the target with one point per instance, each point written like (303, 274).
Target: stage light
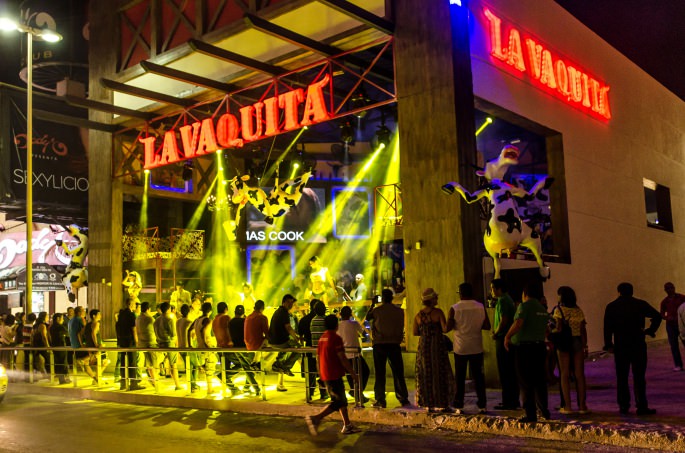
(347, 132)
(383, 135)
(360, 100)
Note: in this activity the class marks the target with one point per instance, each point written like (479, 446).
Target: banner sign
(45, 278)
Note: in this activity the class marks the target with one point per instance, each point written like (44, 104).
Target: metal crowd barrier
(188, 366)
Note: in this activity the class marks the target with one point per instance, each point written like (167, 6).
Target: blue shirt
(76, 325)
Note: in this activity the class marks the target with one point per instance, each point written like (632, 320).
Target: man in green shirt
(504, 318)
(527, 333)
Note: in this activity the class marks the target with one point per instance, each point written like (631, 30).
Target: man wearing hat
(468, 317)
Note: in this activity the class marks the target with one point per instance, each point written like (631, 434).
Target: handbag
(562, 338)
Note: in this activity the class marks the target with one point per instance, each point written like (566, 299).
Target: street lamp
(48, 35)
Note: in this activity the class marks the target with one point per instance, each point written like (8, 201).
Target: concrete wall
(604, 161)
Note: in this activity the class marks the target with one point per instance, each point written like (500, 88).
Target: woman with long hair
(567, 310)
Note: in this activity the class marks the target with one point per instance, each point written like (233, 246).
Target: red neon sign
(257, 121)
(524, 54)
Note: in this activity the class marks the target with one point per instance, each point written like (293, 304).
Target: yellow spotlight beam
(268, 174)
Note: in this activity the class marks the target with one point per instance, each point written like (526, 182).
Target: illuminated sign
(257, 121)
(524, 54)
(275, 235)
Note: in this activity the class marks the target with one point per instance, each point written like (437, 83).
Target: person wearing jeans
(387, 332)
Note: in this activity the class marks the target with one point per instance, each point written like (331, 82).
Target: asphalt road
(49, 424)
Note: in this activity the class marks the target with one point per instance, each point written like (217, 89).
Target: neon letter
(315, 106)
(495, 35)
(547, 71)
(151, 160)
(207, 142)
(515, 52)
(271, 116)
(169, 149)
(535, 57)
(562, 78)
(189, 141)
(227, 131)
(289, 102)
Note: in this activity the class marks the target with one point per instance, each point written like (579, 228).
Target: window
(658, 205)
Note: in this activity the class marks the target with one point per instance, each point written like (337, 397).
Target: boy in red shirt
(332, 365)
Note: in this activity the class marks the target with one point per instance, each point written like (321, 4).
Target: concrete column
(435, 103)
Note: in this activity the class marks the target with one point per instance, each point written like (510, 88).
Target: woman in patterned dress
(573, 315)
(434, 378)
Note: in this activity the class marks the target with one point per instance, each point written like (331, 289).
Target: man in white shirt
(350, 331)
(468, 318)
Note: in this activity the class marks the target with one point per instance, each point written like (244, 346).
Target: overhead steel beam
(232, 57)
(147, 94)
(187, 77)
(310, 44)
(361, 15)
(72, 121)
(104, 107)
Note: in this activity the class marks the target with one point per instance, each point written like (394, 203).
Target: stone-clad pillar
(437, 143)
(104, 194)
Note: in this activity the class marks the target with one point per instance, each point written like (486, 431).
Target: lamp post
(49, 36)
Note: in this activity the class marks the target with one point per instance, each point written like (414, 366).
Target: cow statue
(76, 275)
(505, 231)
(275, 204)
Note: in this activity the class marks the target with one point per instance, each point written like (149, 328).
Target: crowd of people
(530, 339)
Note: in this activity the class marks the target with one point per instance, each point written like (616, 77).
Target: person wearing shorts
(333, 365)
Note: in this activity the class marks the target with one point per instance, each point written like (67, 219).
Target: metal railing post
(263, 373)
(126, 372)
(307, 390)
(223, 363)
(31, 366)
(188, 374)
(74, 369)
(98, 364)
(52, 366)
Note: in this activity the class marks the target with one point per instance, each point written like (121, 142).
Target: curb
(625, 435)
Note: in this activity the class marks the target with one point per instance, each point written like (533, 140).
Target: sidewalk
(664, 431)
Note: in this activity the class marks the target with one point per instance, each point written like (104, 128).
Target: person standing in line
(77, 326)
(282, 336)
(93, 339)
(182, 329)
(527, 333)
(26, 333)
(318, 328)
(624, 335)
(180, 296)
(304, 328)
(165, 331)
(332, 367)
(434, 379)
(39, 339)
(351, 331)
(468, 318)
(200, 333)
(504, 317)
(223, 340)
(256, 328)
(387, 332)
(236, 327)
(147, 339)
(127, 337)
(569, 311)
(669, 313)
(58, 338)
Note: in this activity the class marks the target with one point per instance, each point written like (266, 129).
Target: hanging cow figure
(278, 202)
(506, 231)
(76, 275)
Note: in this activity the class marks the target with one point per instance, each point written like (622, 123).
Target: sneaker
(312, 424)
(405, 403)
(458, 411)
(482, 410)
(379, 404)
(563, 410)
(281, 389)
(678, 368)
(350, 429)
(287, 372)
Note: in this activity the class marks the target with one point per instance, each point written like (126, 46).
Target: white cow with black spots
(505, 231)
(76, 275)
(275, 204)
